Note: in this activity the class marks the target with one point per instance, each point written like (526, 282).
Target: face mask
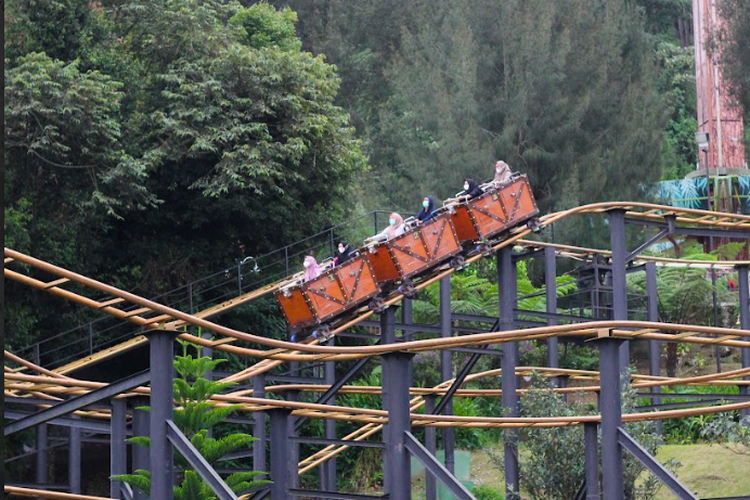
(306, 264)
(341, 249)
(425, 203)
(392, 222)
(466, 187)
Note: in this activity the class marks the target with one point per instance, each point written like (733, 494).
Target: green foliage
(697, 428)
(122, 123)
(472, 293)
(554, 465)
(439, 89)
(58, 118)
(729, 430)
(487, 492)
(194, 417)
(265, 27)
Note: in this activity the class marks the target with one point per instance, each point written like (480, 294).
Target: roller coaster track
(152, 315)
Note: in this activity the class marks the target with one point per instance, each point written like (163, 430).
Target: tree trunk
(671, 359)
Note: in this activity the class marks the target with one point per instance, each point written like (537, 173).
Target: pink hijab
(312, 271)
(392, 229)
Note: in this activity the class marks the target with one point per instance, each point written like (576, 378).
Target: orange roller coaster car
(334, 292)
(495, 211)
(381, 267)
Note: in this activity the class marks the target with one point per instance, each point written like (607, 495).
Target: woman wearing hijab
(503, 174)
(312, 270)
(471, 190)
(346, 252)
(396, 228)
(428, 209)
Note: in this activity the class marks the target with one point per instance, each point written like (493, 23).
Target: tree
(554, 466)
(191, 151)
(194, 416)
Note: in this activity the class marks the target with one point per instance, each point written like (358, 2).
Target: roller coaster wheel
(483, 248)
(534, 225)
(377, 304)
(322, 333)
(458, 262)
(407, 289)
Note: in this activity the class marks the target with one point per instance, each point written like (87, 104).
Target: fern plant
(194, 416)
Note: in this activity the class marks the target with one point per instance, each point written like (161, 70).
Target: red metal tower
(718, 114)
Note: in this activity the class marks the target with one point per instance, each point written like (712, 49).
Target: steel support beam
(407, 316)
(293, 445)
(468, 366)
(430, 441)
(88, 425)
(658, 236)
(74, 459)
(610, 406)
(338, 383)
(654, 346)
(653, 465)
(140, 453)
(619, 278)
(591, 446)
(161, 358)
(434, 467)
(692, 231)
(282, 466)
(259, 429)
(328, 468)
(397, 376)
(118, 450)
(196, 460)
(550, 295)
(42, 464)
(744, 306)
(446, 369)
(506, 269)
(77, 403)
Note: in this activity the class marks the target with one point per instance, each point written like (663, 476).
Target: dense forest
(149, 142)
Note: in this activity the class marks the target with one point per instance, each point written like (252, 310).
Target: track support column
(259, 429)
(610, 403)
(162, 403)
(281, 460)
(430, 442)
(140, 428)
(550, 295)
(591, 460)
(118, 451)
(619, 279)
(74, 458)
(654, 346)
(397, 375)
(506, 270)
(328, 468)
(42, 463)
(446, 370)
(744, 303)
(292, 444)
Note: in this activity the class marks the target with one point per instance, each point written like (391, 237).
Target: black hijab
(349, 252)
(474, 190)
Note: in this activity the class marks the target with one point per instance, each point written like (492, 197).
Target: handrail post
(239, 279)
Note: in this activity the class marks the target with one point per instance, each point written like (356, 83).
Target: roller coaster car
(332, 293)
(416, 251)
(495, 211)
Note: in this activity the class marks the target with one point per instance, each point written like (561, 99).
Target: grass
(709, 471)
